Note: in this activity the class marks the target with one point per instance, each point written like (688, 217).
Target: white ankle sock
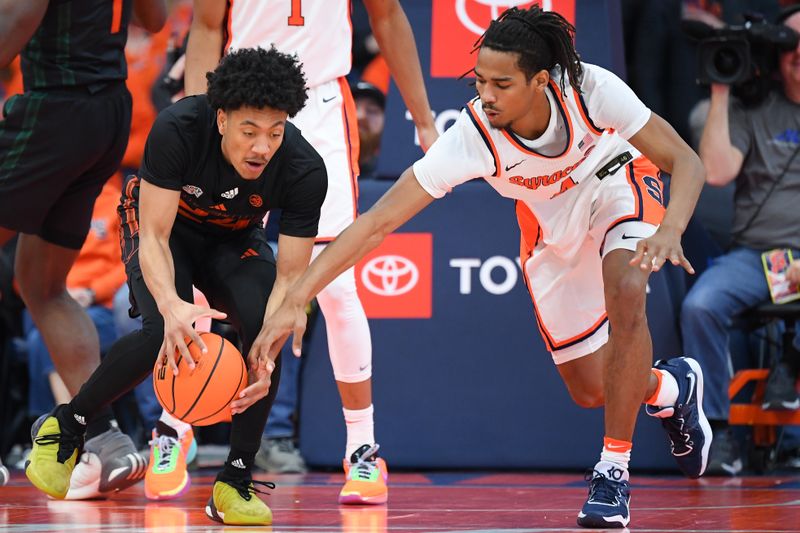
(360, 429)
(612, 470)
(178, 425)
(667, 392)
(617, 452)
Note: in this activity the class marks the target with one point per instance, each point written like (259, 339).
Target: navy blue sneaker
(686, 425)
(608, 505)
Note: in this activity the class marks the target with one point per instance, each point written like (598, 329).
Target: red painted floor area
(430, 502)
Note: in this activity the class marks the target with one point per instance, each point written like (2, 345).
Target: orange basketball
(203, 396)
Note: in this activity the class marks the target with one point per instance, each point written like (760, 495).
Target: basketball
(203, 396)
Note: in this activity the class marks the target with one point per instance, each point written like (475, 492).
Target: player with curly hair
(212, 168)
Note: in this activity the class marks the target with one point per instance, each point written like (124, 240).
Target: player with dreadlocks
(580, 154)
(212, 168)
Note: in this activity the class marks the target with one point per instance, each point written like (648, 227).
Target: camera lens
(727, 62)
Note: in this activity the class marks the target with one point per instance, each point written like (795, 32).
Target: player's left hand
(427, 135)
(259, 379)
(664, 245)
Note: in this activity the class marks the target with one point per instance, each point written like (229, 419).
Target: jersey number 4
(296, 18)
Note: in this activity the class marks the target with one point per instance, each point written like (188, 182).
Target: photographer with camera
(757, 145)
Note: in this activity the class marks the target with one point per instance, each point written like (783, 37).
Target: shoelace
(366, 464)
(246, 487)
(678, 436)
(165, 444)
(601, 489)
(66, 444)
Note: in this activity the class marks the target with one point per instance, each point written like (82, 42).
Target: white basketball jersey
(559, 189)
(318, 31)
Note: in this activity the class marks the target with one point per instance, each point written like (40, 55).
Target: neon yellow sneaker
(53, 456)
(366, 475)
(235, 503)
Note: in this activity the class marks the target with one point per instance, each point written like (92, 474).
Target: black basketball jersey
(183, 152)
(79, 42)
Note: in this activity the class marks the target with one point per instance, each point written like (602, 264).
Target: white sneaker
(109, 463)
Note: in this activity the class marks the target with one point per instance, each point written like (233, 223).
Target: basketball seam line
(208, 379)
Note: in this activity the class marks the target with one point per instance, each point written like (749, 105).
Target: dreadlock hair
(543, 39)
(254, 77)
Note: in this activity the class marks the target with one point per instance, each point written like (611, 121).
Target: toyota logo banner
(457, 24)
(395, 279)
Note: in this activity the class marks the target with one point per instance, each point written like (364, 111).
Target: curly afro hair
(254, 77)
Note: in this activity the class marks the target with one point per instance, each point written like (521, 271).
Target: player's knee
(338, 300)
(626, 289)
(588, 397)
(36, 292)
(625, 298)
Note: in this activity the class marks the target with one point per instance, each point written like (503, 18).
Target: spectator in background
(757, 147)
(370, 111)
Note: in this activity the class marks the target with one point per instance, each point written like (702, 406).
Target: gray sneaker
(279, 456)
(109, 463)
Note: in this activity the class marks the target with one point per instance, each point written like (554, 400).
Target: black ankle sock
(162, 428)
(238, 466)
(68, 421)
(100, 423)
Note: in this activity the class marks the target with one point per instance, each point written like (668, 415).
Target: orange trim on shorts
(567, 118)
(350, 122)
(229, 26)
(116, 16)
(130, 221)
(529, 230)
(486, 137)
(530, 233)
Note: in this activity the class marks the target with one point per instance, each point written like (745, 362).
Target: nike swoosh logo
(362, 368)
(512, 166)
(326, 100)
(625, 236)
(691, 378)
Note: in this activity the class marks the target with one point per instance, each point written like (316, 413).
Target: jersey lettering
(297, 18)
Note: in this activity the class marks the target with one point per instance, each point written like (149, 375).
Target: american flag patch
(587, 139)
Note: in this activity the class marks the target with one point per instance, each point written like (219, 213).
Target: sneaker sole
(213, 514)
(356, 499)
(172, 496)
(702, 420)
(602, 522)
(217, 516)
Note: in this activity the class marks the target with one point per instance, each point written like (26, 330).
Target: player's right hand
(179, 318)
(289, 318)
